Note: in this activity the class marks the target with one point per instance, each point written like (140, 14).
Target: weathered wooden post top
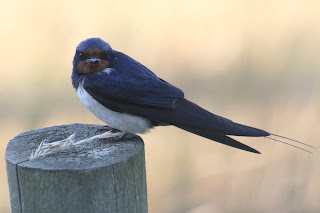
(97, 176)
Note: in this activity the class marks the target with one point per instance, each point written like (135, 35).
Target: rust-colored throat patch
(93, 60)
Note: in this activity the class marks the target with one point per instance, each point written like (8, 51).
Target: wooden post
(99, 176)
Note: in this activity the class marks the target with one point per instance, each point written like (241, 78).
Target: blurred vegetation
(255, 62)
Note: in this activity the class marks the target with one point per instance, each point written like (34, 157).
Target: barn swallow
(130, 98)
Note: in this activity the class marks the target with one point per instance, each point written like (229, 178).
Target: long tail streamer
(290, 143)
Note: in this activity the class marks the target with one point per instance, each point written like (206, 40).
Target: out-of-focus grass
(256, 62)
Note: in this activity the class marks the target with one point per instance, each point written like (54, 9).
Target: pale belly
(122, 121)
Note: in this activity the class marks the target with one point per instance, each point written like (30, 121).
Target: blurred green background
(255, 62)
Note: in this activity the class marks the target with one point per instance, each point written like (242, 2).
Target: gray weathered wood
(96, 177)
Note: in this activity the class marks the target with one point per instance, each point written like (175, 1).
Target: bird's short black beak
(93, 60)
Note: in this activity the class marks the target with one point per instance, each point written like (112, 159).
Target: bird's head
(92, 55)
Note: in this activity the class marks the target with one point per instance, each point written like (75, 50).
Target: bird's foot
(107, 128)
(119, 135)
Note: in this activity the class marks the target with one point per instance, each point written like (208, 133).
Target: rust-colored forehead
(93, 52)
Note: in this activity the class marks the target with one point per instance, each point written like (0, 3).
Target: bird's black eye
(81, 56)
(104, 55)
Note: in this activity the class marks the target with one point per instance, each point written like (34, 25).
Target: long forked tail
(221, 138)
(224, 139)
(290, 143)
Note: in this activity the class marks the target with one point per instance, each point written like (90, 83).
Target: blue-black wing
(137, 91)
(129, 82)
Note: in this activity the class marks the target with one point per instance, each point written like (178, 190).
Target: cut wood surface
(99, 176)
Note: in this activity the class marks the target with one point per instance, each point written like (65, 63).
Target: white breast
(122, 121)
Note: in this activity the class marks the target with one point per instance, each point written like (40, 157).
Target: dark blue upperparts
(93, 43)
(132, 88)
(131, 82)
